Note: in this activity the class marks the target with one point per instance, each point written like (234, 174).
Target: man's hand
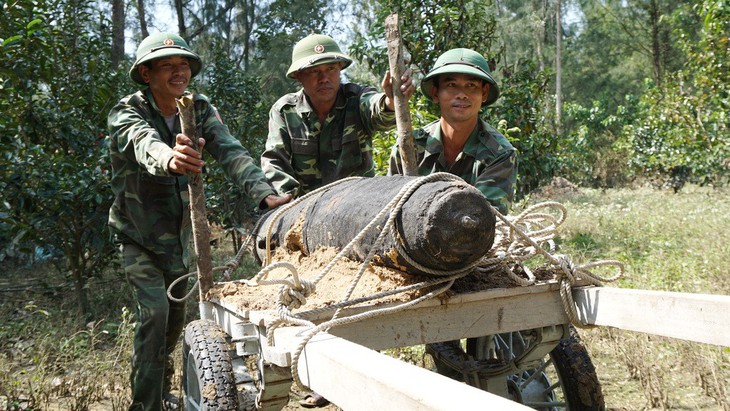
(406, 87)
(185, 158)
(273, 200)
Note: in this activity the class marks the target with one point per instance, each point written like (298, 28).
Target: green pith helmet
(160, 45)
(314, 50)
(462, 61)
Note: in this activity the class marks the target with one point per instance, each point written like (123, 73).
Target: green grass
(673, 242)
(670, 242)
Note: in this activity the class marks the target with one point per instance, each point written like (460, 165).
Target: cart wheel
(577, 375)
(208, 379)
(563, 380)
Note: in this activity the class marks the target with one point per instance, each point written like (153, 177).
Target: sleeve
(373, 111)
(138, 139)
(276, 158)
(395, 167)
(235, 160)
(498, 179)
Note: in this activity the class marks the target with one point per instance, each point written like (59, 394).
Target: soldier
(459, 142)
(149, 218)
(324, 132)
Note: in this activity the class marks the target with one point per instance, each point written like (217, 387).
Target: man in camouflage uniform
(460, 142)
(150, 217)
(324, 132)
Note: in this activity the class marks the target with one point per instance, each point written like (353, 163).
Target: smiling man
(150, 217)
(324, 132)
(460, 142)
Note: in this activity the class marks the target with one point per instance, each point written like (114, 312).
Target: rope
(525, 244)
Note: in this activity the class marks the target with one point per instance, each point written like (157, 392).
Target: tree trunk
(182, 30)
(248, 24)
(558, 69)
(118, 20)
(656, 53)
(443, 225)
(142, 19)
(539, 7)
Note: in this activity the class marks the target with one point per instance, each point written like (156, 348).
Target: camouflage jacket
(488, 161)
(302, 154)
(151, 205)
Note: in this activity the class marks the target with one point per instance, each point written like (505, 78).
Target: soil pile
(333, 287)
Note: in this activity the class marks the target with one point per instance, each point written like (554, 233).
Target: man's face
(321, 82)
(460, 96)
(167, 77)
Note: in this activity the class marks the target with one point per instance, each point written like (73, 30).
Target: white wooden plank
(457, 318)
(356, 378)
(461, 316)
(693, 317)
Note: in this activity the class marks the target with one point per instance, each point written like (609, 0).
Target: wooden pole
(406, 144)
(201, 230)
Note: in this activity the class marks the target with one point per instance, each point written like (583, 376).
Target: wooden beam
(461, 316)
(457, 318)
(693, 317)
(356, 378)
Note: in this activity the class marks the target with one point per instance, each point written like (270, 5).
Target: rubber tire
(207, 368)
(577, 374)
(578, 377)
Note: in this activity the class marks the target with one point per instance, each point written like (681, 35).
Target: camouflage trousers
(160, 322)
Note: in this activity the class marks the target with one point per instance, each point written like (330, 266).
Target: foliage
(520, 115)
(238, 99)
(681, 130)
(427, 28)
(55, 185)
(615, 46)
(282, 25)
(595, 152)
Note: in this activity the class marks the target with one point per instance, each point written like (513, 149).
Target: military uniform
(150, 215)
(488, 161)
(303, 154)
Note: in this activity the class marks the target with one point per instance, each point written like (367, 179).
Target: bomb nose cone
(457, 228)
(468, 222)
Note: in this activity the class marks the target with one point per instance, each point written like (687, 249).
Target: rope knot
(568, 269)
(294, 298)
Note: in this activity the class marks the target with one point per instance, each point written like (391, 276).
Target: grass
(51, 359)
(670, 242)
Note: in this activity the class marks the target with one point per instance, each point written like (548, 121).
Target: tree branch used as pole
(201, 230)
(406, 144)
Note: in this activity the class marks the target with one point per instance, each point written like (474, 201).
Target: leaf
(8, 41)
(33, 24)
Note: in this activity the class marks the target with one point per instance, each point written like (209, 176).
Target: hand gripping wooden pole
(201, 230)
(406, 144)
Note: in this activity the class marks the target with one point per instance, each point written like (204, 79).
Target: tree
(118, 20)
(681, 132)
(54, 185)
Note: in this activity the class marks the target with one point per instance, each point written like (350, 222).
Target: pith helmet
(314, 50)
(160, 45)
(462, 61)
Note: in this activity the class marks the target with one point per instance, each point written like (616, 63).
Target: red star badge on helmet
(169, 42)
(319, 48)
